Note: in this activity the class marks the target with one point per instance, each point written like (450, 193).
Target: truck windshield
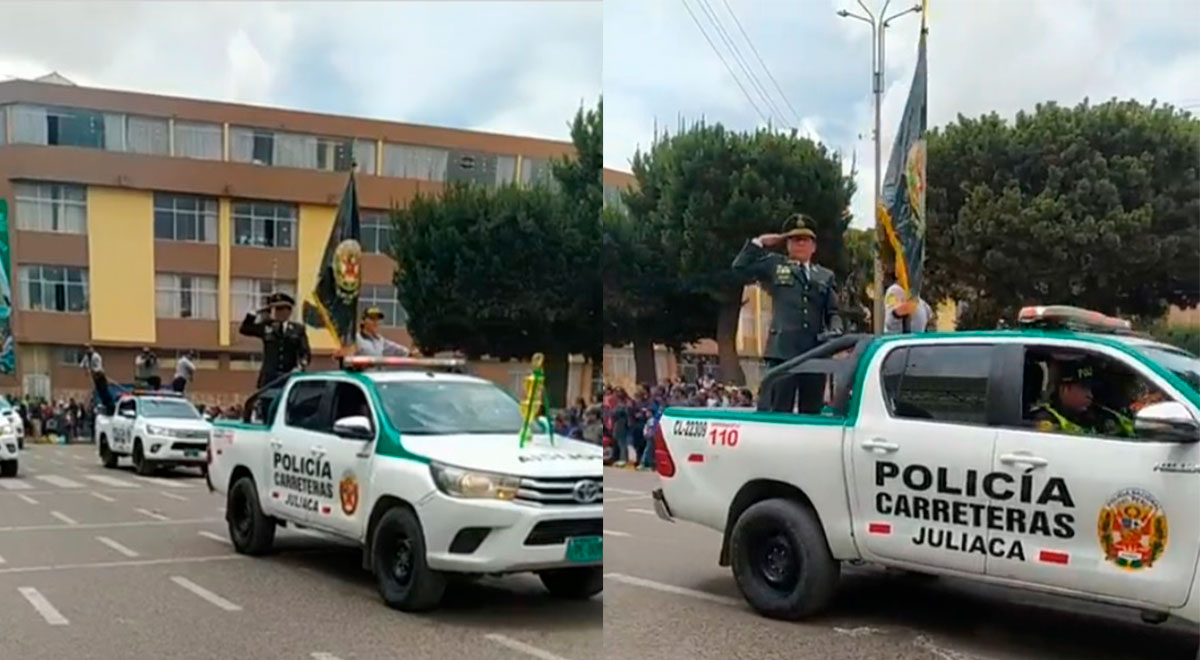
(1181, 363)
(169, 409)
(449, 407)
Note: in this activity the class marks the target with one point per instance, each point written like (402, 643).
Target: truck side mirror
(355, 427)
(127, 413)
(1167, 419)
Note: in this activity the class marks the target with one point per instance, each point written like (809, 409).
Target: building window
(53, 288)
(3, 124)
(68, 127)
(53, 207)
(70, 356)
(249, 145)
(364, 156)
(185, 218)
(264, 224)
(179, 296)
(147, 135)
(245, 361)
(334, 154)
(537, 170)
(506, 170)
(198, 140)
(385, 298)
(204, 360)
(376, 232)
(612, 197)
(250, 295)
(411, 162)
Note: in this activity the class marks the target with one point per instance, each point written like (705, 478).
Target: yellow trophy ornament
(534, 400)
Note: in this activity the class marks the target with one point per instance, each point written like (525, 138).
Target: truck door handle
(1023, 459)
(319, 451)
(276, 444)
(879, 444)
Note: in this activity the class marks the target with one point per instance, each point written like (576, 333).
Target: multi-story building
(140, 220)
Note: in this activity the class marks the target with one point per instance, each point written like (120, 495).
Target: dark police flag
(333, 303)
(902, 205)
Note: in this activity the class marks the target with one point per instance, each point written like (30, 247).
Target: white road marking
(672, 589)
(28, 499)
(205, 594)
(101, 496)
(112, 481)
(2, 561)
(321, 655)
(169, 483)
(156, 516)
(647, 512)
(80, 457)
(522, 647)
(125, 563)
(613, 532)
(61, 482)
(64, 517)
(43, 606)
(173, 496)
(138, 523)
(624, 491)
(861, 631)
(117, 546)
(13, 484)
(215, 537)
(626, 498)
(923, 642)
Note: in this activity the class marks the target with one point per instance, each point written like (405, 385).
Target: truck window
(168, 408)
(938, 382)
(127, 405)
(303, 409)
(349, 400)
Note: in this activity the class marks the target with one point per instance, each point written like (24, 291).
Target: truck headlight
(160, 430)
(457, 482)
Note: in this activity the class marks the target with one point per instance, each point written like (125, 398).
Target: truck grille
(189, 446)
(192, 435)
(556, 532)
(551, 491)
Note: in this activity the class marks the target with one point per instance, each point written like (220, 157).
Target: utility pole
(879, 27)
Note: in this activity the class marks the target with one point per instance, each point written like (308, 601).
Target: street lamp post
(878, 30)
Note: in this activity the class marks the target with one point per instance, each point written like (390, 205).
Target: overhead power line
(778, 88)
(728, 68)
(741, 62)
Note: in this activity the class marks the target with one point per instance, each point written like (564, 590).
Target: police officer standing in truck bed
(285, 342)
(803, 302)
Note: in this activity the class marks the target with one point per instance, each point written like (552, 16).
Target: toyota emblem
(586, 491)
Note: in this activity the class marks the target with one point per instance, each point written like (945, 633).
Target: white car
(424, 470)
(936, 454)
(9, 414)
(156, 430)
(10, 448)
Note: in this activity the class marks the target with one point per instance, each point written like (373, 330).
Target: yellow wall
(315, 226)
(121, 264)
(224, 295)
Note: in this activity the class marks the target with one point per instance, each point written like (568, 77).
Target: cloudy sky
(984, 55)
(509, 67)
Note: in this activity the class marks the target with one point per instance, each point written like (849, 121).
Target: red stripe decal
(695, 458)
(325, 510)
(879, 528)
(1053, 557)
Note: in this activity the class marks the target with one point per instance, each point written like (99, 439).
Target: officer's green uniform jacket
(285, 345)
(802, 307)
(1097, 420)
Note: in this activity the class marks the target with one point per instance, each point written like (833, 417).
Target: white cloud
(983, 55)
(513, 67)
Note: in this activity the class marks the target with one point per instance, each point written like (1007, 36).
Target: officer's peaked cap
(799, 225)
(281, 299)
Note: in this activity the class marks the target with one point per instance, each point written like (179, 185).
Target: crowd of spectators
(69, 419)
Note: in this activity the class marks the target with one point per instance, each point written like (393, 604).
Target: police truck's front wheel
(251, 530)
(574, 583)
(398, 560)
(781, 560)
(140, 463)
(8, 468)
(106, 454)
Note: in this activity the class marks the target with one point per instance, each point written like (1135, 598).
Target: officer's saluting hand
(285, 342)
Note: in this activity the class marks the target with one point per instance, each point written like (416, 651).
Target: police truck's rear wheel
(781, 560)
(106, 454)
(8, 468)
(140, 463)
(398, 560)
(251, 530)
(574, 583)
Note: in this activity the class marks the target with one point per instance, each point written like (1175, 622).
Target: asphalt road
(666, 597)
(102, 564)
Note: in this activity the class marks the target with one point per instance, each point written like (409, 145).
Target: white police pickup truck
(10, 447)
(932, 455)
(156, 429)
(423, 468)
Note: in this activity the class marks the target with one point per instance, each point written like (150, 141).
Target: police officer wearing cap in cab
(370, 341)
(1072, 410)
(285, 342)
(803, 301)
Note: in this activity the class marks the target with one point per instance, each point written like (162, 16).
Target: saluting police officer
(803, 301)
(285, 342)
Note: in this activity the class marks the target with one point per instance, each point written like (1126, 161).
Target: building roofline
(14, 91)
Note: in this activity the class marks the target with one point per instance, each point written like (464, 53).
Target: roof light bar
(164, 393)
(361, 362)
(1073, 318)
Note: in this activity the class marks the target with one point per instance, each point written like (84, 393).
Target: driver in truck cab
(1072, 407)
